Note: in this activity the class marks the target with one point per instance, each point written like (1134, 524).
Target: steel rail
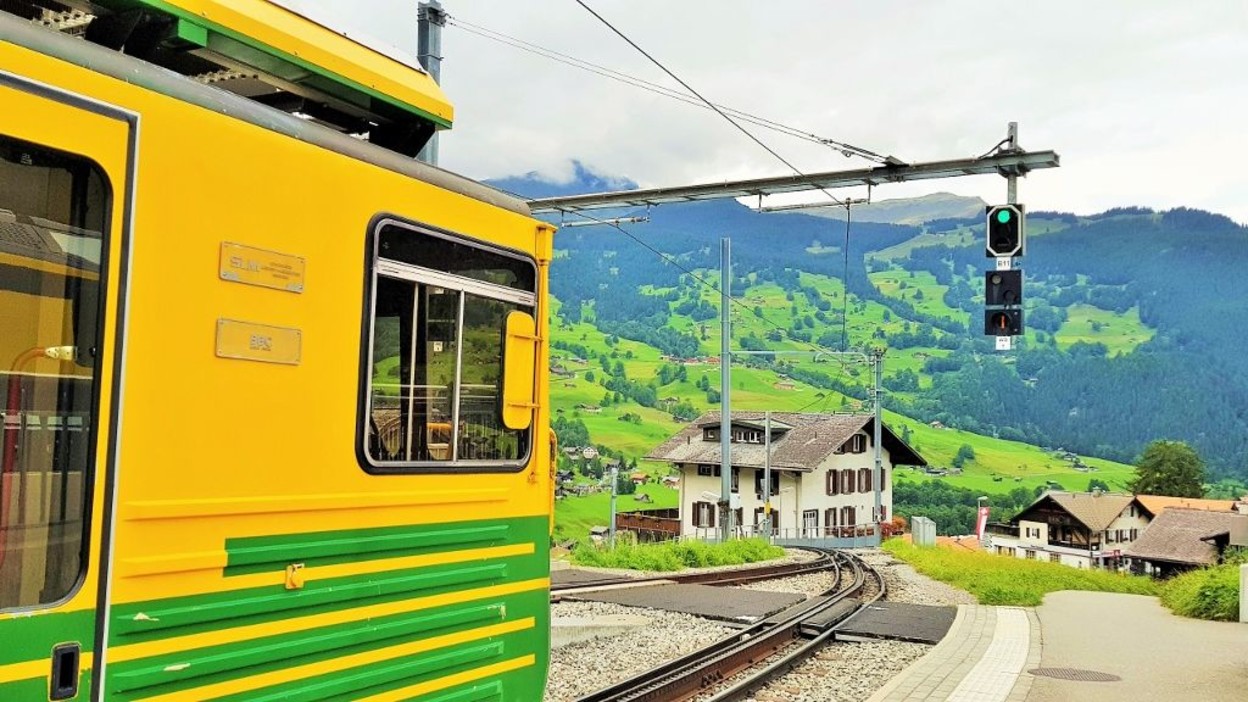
(733, 576)
(698, 672)
(742, 688)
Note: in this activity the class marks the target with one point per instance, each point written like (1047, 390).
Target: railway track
(734, 576)
(794, 634)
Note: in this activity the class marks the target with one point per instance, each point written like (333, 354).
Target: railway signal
(1003, 322)
(1006, 226)
(1003, 288)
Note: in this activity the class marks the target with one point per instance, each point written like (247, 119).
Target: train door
(65, 174)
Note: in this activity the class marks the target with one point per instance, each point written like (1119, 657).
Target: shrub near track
(1208, 593)
(999, 580)
(675, 555)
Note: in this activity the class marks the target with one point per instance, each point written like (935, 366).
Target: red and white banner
(982, 523)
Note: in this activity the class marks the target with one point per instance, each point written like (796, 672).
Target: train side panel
(253, 556)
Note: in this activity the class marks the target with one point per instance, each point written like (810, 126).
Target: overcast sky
(1146, 101)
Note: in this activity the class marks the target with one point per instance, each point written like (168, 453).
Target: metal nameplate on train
(266, 269)
(258, 342)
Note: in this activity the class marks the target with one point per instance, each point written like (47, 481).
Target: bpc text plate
(249, 341)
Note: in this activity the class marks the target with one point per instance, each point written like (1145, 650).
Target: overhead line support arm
(1004, 164)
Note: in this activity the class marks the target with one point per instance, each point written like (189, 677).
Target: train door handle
(64, 682)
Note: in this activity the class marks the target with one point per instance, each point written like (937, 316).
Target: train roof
(270, 53)
(96, 57)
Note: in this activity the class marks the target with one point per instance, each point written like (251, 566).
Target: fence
(665, 525)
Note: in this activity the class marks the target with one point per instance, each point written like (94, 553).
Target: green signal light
(1003, 216)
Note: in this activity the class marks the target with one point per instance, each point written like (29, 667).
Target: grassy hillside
(1098, 369)
(1120, 332)
(627, 427)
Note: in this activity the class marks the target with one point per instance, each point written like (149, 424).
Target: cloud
(1142, 98)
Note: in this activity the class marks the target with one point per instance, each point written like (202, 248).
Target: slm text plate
(266, 269)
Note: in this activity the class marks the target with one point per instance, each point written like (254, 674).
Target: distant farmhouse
(1079, 529)
(1147, 534)
(822, 472)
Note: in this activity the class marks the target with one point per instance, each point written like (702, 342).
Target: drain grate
(1075, 674)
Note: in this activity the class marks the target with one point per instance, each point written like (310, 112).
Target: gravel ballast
(579, 669)
(840, 672)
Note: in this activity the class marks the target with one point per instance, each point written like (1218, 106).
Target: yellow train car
(275, 393)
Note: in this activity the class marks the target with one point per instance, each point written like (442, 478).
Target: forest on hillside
(1168, 278)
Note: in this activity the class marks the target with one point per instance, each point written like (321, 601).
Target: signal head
(1003, 288)
(1005, 225)
(1006, 322)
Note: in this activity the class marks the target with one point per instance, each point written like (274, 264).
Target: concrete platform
(722, 603)
(981, 659)
(898, 621)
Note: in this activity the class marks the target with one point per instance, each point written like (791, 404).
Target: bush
(675, 555)
(1209, 593)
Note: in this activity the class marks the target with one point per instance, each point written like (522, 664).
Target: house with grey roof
(1183, 538)
(823, 480)
(1079, 529)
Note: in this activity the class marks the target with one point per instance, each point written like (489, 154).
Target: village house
(1098, 530)
(1184, 538)
(822, 472)
(1079, 529)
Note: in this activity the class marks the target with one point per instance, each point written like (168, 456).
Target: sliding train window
(434, 371)
(53, 208)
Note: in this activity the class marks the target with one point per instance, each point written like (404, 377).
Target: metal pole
(1011, 181)
(767, 474)
(615, 481)
(725, 389)
(877, 360)
(430, 18)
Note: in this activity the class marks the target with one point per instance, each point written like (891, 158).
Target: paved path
(980, 660)
(989, 651)
(1158, 656)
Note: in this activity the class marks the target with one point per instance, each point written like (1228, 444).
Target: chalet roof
(1155, 504)
(1094, 511)
(759, 423)
(1178, 535)
(811, 439)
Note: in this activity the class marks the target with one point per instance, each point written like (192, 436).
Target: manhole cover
(1074, 674)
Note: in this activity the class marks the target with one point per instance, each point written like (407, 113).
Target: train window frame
(91, 470)
(523, 297)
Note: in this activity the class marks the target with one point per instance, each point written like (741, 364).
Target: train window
(436, 359)
(53, 207)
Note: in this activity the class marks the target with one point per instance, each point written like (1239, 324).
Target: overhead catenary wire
(755, 139)
(643, 84)
(672, 260)
(818, 350)
(698, 95)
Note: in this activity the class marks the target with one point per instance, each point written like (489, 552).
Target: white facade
(801, 504)
(1035, 541)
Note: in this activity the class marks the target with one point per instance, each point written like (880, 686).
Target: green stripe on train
(521, 685)
(37, 688)
(178, 616)
(260, 554)
(27, 638)
(189, 670)
(160, 619)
